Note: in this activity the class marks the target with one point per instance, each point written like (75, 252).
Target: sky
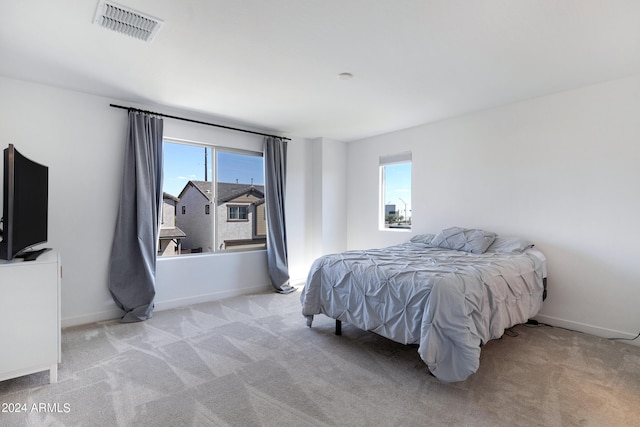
(398, 186)
(183, 163)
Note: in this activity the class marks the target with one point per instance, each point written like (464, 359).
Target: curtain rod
(197, 121)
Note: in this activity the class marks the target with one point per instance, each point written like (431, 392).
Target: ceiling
(273, 64)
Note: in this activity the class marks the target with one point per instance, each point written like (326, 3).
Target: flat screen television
(25, 201)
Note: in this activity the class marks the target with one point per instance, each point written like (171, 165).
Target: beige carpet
(251, 361)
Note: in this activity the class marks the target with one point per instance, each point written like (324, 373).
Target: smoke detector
(127, 21)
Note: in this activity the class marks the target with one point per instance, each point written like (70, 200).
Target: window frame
(238, 206)
(393, 160)
(215, 149)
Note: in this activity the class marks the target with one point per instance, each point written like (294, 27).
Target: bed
(448, 293)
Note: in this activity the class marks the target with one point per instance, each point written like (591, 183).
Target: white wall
(81, 139)
(561, 170)
(334, 195)
(316, 202)
(329, 176)
(299, 208)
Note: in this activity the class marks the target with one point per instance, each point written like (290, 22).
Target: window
(395, 192)
(216, 189)
(237, 213)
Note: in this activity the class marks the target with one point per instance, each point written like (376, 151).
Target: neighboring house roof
(167, 196)
(226, 190)
(171, 233)
(204, 187)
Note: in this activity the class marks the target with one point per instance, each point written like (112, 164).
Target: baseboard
(588, 329)
(181, 302)
(91, 318)
(298, 282)
(162, 305)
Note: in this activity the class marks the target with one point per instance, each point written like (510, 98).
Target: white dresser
(30, 316)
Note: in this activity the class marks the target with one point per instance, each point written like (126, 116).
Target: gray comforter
(449, 302)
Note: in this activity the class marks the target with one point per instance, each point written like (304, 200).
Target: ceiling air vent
(127, 21)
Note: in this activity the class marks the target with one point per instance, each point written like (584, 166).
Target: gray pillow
(422, 238)
(509, 245)
(464, 239)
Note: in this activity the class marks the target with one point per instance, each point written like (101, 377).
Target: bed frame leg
(338, 327)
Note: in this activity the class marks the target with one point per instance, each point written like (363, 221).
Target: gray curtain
(275, 170)
(132, 268)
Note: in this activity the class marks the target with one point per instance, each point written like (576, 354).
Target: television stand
(30, 316)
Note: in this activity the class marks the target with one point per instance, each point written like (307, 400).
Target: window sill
(396, 229)
(207, 254)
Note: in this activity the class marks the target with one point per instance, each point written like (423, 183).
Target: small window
(206, 209)
(237, 213)
(184, 210)
(395, 192)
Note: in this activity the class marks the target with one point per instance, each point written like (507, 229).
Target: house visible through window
(220, 195)
(395, 191)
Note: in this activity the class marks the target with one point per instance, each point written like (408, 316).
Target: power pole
(205, 164)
